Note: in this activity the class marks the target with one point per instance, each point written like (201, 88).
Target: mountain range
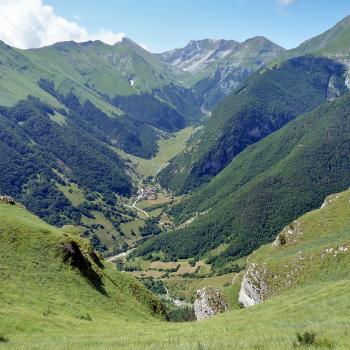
(214, 68)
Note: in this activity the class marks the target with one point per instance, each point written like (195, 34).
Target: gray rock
(253, 288)
(209, 302)
(7, 200)
(289, 235)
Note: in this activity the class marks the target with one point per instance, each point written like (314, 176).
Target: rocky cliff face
(253, 288)
(198, 54)
(209, 302)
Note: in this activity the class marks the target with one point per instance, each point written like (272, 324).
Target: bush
(192, 262)
(181, 314)
(85, 317)
(155, 286)
(150, 228)
(3, 339)
(305, 339)
(119, 265)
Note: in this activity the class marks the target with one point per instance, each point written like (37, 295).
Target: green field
(168, 148)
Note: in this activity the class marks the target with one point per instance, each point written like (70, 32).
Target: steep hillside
(40, 145)
(270, 99)
(214, 68)
(264, 188)
(122, 81)
(51, 276)
(313, 249)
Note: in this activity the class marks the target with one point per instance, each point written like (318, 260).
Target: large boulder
(209, 302)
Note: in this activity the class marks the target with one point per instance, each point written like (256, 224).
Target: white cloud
(285, 2)
(30, 23)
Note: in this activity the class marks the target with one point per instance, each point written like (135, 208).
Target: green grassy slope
(268, 100)
(103, 68)
(265, 187)
(168, 148)
(52, 277)
(334, 42)
(314, 249)
(103, 75)
(317, 301)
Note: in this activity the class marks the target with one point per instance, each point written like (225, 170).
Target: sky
(161, 25)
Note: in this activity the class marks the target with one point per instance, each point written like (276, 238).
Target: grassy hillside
(169, 146)
(122, 81)
(312, 249)
(268, 100)
(316, 302)
(265, 187)
(51, 277)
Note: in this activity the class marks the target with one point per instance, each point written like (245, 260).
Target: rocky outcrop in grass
(253, 288)
(7, 200)
(209, 302)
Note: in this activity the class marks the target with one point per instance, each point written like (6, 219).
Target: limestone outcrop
(209, 302)
(7, 200)
(253, 288)
(288, 235)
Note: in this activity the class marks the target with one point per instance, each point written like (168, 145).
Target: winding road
(139, 197)
(121, 255)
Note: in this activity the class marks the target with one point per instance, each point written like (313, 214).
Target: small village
(150, 193)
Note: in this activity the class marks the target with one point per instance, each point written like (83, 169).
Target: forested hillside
(269, 100)
(38, 144)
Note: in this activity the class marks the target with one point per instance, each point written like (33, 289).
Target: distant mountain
(267, 186)
(67, 109)
(123, 80)
(214, 68)
(264, 104)
(199, 54)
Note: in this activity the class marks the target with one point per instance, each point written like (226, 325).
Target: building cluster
(149, 193)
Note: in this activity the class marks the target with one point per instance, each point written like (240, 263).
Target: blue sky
(165, 24)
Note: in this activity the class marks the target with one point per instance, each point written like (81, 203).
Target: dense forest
(266, 102)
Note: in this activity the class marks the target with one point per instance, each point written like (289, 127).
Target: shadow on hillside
(73, 254)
